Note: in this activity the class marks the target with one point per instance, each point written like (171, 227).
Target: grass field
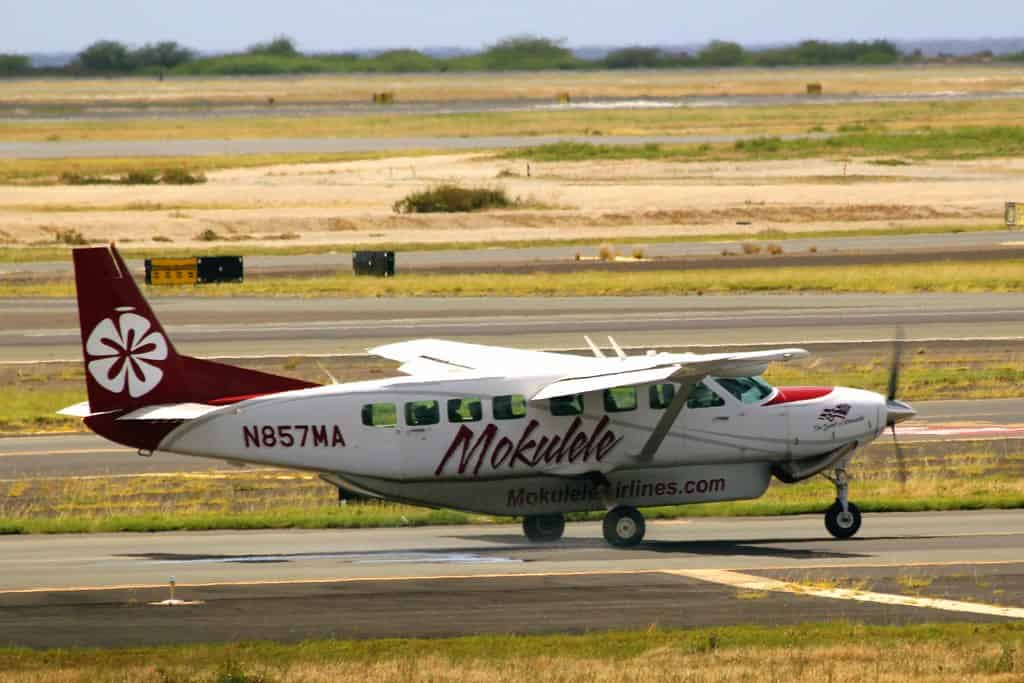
(950, 143)
(811, 652)
(943, 276)
(873, 117)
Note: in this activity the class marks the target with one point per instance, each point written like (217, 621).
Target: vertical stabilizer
(129, 359)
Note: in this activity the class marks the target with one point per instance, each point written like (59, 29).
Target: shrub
(453, 199)
(162, 238)
(774, 249)
(607, 252)
(750, 248)
(639, 251)
(138, 177)
(181, 176)
(70, 236)
(208, 235)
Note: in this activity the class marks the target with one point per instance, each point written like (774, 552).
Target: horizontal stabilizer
(172, 411)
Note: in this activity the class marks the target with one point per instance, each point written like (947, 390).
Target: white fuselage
(532, 463)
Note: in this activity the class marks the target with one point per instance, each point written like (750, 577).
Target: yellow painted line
(76, 451)
(758, 583)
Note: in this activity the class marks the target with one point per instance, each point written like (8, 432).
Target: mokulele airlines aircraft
(482, 428)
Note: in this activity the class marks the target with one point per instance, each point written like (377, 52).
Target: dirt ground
(348, 203)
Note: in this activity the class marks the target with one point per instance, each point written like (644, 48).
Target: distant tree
(634, 58)
(528, 52)
(165, 55)
(105, 56)
(721, 53)
(280, 46)
(14, 65)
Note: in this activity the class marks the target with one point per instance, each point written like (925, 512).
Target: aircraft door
(758, 430)
(376, 449)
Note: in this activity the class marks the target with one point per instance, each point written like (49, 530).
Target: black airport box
(379, 263)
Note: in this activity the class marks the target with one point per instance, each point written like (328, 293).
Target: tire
(624, 527)
(544, 528)
(840, 525)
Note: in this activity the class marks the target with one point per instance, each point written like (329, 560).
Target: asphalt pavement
(97, 590)
(232, 327)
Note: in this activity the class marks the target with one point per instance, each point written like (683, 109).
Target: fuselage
(475, 442)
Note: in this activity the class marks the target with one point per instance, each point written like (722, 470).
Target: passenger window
(620, 399)
(380, 415)
(746, 389)
(509, 407)
(465, 410)
(703, 397)
(661, 395)
(567, 405)
(420, 413)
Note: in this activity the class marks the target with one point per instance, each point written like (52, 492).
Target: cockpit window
(703, 397)
(746, 389)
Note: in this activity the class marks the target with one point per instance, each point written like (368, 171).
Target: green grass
(27, 409)
(39, 253)
(941, 276)
(49, 171)
(952, 143)
(836, 650)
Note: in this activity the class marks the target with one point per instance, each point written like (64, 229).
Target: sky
(341, 25)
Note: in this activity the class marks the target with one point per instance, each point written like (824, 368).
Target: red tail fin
(131, 362)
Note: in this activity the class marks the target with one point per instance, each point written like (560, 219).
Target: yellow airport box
(172, 271)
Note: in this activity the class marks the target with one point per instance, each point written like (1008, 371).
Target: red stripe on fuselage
(793, 394)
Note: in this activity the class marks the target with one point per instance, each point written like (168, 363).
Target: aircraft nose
(897, 411)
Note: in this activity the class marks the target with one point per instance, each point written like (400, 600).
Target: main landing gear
(624, 527)
(544, 528)
(842, 519)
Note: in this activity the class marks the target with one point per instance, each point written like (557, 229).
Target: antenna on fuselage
(598, 353)
(326, 372)
(618, 349)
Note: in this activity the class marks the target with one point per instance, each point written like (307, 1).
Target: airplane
(484, 429)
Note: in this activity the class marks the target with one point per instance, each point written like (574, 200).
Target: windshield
(746, 389)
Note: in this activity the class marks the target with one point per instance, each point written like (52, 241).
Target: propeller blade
(894, 366)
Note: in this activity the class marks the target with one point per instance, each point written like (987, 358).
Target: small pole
(172, 584)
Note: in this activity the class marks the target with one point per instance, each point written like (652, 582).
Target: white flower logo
(122, 355)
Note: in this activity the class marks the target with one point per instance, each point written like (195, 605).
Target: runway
(47, 329)
(85, 454)
(63, 591)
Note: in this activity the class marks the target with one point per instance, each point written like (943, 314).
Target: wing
(435, 355)
(677, 367)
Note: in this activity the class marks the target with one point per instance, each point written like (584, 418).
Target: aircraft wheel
(624, 527)
(539, 528)
(842, 524)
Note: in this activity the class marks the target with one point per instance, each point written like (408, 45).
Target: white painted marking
(758, 583)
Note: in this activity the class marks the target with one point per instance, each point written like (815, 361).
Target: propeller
(896, 410)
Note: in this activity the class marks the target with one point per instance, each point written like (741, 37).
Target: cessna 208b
(481, 428)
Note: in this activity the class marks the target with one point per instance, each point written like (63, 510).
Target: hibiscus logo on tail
(120, 355)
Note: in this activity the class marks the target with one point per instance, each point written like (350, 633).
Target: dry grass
(772, 120)
(813, 653)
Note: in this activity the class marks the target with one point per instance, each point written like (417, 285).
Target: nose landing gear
(842, 519)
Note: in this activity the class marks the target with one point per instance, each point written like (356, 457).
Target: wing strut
(593, 347)
(668, 419)
(615, 347)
